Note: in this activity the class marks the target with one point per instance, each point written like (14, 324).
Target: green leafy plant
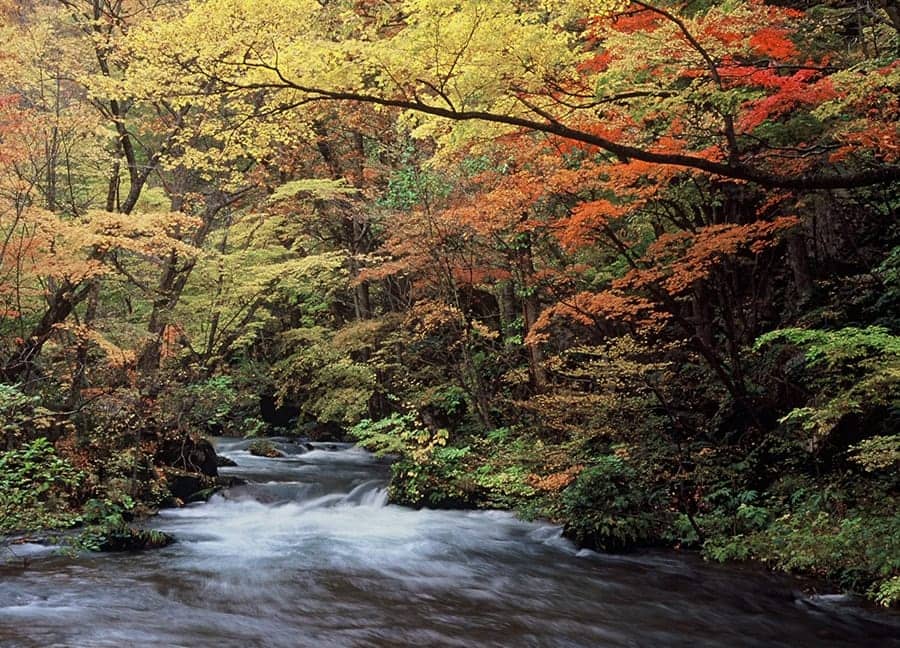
(877, 453)
(608, 507)
(36, 488)
(853, 371)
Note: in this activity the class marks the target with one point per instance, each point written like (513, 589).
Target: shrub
(816, 532)
(608, 507)
(36, 487)
(208, 406)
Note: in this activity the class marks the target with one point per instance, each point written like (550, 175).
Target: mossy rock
(123, 538)
(183, 484)
(194, 455)
(263, 448)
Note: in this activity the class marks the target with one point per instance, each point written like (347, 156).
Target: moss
(264, 448)
(121, 537)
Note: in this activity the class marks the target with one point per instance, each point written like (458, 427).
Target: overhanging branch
(733, 170)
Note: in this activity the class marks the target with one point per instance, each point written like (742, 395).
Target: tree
(552, 67)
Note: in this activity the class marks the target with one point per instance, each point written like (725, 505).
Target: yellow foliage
(115, 355)
(464, 56)
(148, 235)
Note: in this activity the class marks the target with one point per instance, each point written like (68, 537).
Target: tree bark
(531, 310)
(799, 261)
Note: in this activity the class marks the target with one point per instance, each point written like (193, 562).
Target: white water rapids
(310, 554)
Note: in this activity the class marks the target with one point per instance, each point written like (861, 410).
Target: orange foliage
(590, 308)
(171, 336)
(681, 260)
(555, 482)
(588, 219)
(882, 139)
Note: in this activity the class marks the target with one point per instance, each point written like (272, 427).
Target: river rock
(229, 481)
(204, 458)
(189, 454)
(225, 462)
(126, 538)
(183, 485)
(264, 448)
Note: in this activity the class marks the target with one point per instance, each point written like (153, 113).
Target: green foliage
(20, 416)
(439, 480)
(13, 406)
(251, 427)
(106, 527)
(324, 376)
(110, 535)
(504, 486)
(411, 186)
(427, 471)
(857, 547)
(832, 350)
(781, 133)
(36, 488)
(878, 453)
(887, 305)
(208, 405)
(448, 399)
(395, 434)
(108, 511)
(887, 592)
(323, 188)
(238, 292)
(608, 507)
(853, 370)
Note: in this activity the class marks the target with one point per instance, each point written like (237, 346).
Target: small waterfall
(372, 493)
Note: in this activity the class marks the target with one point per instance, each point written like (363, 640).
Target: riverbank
(838, 529)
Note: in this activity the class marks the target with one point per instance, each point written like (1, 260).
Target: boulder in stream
(183, 485)
(229, 481)
(126, 538)
(264, 448)
(189, 454)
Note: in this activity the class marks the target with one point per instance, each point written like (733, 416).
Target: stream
(309, 553)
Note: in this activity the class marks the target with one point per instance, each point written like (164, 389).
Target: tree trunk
(63, 301)
(702, 315)
(79, 376)
(531, 309)
(799, 260)
(173, 280)
(506, 300)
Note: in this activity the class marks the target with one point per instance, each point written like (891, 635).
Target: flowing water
(308, 553)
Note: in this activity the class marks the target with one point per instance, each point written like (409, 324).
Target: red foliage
(773, 42)
(801, 89)
(637, 19)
